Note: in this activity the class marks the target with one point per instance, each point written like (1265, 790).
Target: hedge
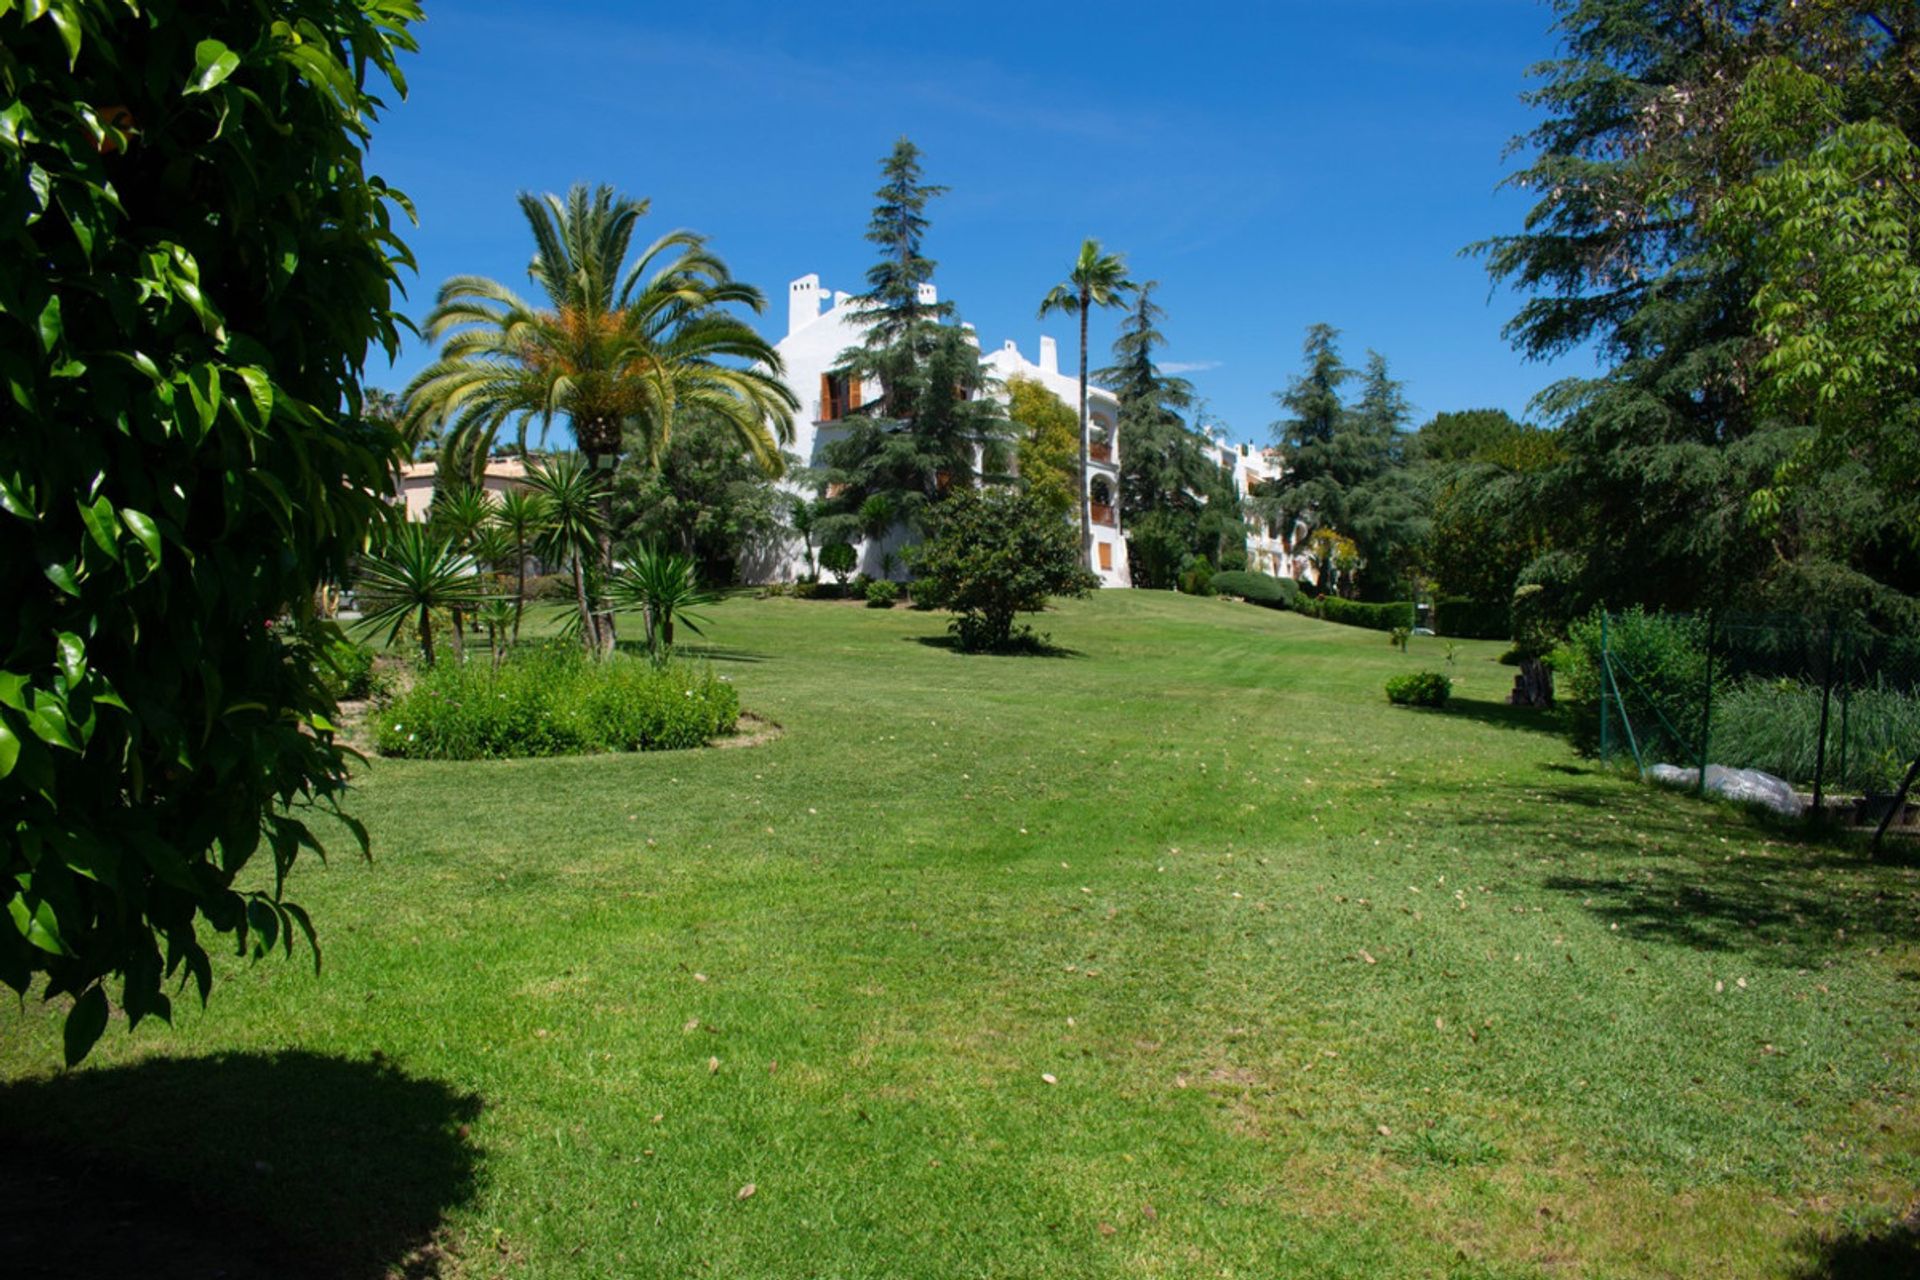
(1473, 619)
(1258, 588)
(1354, 613)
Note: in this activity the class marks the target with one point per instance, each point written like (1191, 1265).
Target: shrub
(1198, 578)
(1399, 637)
(923, 594)
(553, 587)
(554, 700)
(1661, 665)
(881, 594)
(838, 559)
(1233, 560)
(992, 554)
(1258, 588)
(347, 669)
(1774, 725)
(772, 590)
(806, 589)
(1473, 619)
(194, 264)
(1420, 689)
(1357, 613)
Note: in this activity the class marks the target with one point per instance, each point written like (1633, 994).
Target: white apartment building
(1251, 466)
(821, 326)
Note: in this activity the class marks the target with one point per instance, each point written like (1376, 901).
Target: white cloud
(1189, 366)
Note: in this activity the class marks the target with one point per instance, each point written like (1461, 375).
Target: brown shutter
(826, 397)
(1106, 556)
(853, 391)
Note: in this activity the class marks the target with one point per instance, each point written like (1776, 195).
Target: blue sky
(1272, 165)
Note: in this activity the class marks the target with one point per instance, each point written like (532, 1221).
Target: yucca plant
(571, 536)
(523, 515)
(664, 588)
(498, 615)
(414, 573)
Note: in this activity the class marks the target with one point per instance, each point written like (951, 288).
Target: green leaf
(260, 388)
(73, 657)
(63, 577)
(67, 23)
(212, 63)
(98, 517)
(13, 690)
(37, 924)
(9, 749)
(85, 1023)
(13, 499)
(50, 327)
(141, 526)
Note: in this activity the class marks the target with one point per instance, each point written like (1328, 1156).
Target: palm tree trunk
(589, 625)
(1086, 511)
(426, 634)
(520, 593)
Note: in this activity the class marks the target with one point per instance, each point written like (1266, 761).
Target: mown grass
(1326, 987)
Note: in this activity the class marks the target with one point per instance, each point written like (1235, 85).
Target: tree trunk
(603, 621)
(426, 634)
(1533, 687)
(1086, 497)
(520, 593)
(589, 626)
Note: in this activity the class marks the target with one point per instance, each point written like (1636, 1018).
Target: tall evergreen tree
(934, 426)
(1317, 447)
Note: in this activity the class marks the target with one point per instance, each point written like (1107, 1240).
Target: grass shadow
(1663, 868)
(237, 1165)
(1889, 1252)
(1504, 715)
(1027, 647)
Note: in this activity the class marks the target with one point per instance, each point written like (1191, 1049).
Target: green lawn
(1183, 954)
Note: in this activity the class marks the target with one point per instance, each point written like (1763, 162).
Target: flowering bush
(555, 701)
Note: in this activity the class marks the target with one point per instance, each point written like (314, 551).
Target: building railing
(1100, 451)
(1102, 513)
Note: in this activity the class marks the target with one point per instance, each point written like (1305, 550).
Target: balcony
(1103, 513)
(1100, 451)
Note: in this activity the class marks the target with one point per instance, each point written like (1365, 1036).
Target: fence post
(1606, 694)
(1706, 710)
(1826, 702)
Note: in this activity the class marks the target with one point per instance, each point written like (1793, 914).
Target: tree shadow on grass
(1889, 1252)
(1504, 715)
(237, 1165)
(696, 652)
(1030, 647)
(1664, 868)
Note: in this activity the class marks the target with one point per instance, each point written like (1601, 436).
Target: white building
(821, 327)
(416, 482)
(1252, 466)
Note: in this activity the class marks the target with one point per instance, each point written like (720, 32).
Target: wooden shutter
(853, 391)
(1106, 556)
(826, 397)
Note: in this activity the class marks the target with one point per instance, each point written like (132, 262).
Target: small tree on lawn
(994, 553)
(838, 559)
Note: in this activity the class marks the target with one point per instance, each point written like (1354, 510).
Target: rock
(1743, 786)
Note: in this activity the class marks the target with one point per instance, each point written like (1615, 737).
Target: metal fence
(1829, 707)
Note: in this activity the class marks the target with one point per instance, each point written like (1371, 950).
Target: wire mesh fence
(1828, 707)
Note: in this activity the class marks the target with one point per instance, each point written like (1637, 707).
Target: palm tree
(414, 573)
(664, 586)
(1097, 280)
(458, 514)
(571, 494)
(523, 516)
(617, 350)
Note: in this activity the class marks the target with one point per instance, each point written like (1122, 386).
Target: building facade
(821, 326)
(1250, 467)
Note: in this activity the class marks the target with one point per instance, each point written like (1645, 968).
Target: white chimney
(803, 302)
(928, 296)
(1049, 355)
(841, 298)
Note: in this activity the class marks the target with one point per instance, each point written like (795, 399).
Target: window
(839, 395)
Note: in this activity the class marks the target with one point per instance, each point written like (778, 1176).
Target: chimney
(841, 298)
(927, 294)
(803, 303)
(1049, 355)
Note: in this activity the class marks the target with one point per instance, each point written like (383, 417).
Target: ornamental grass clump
(556, 701)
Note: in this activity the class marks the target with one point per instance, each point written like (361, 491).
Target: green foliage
(347, 670)
(1660, 664)
(707, 498)
(571, 500)
(1544, 603)
(882, 594)
(1048, 453)
(664, 588)
(551, 701)
(1473, 619)
(1198, 578)
(1463, 435)
(838, 559)
(1775, 725)
(1399, 638)
(194, 264)
(1258, 588)
(1419, 689)
(1098, 279)
(993, 554)
(1356, 613)
(412, 576)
